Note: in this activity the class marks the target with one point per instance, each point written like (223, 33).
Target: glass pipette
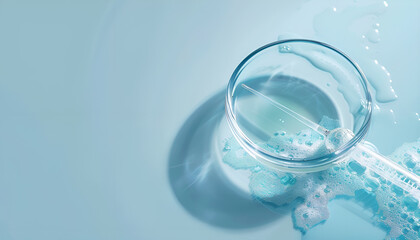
(381, 165)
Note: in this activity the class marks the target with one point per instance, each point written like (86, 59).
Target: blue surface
(93, 94)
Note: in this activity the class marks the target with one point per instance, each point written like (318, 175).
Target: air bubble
(227, 147)
(410, 203)
(285, 49)
(337, 138)
(356, 168)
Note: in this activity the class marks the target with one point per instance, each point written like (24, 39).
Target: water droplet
(380, 79)
(227, 147)
(373, 35)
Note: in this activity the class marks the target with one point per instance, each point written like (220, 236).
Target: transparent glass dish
(277, 100)
(286, 71)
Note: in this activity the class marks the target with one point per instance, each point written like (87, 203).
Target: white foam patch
(394, 209)
(304, 144)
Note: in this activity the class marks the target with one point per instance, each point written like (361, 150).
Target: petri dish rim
(272, 158)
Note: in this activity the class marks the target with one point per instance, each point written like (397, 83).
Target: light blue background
(92, 95)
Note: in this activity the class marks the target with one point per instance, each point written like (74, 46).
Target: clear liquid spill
(388, 54)
(380, 37)
(349, 18)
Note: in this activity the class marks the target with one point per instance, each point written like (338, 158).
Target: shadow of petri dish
(197, 180)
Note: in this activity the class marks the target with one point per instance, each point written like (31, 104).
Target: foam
(394, 209)
(337, 138)
(305, 143)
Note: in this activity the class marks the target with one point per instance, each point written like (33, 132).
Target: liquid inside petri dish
(275, 130)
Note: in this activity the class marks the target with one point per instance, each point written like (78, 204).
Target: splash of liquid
(346, 24)
(325, 63)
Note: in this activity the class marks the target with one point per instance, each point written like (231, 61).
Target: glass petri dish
(309, 78)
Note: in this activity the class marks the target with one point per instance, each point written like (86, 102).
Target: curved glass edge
(310, 164)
